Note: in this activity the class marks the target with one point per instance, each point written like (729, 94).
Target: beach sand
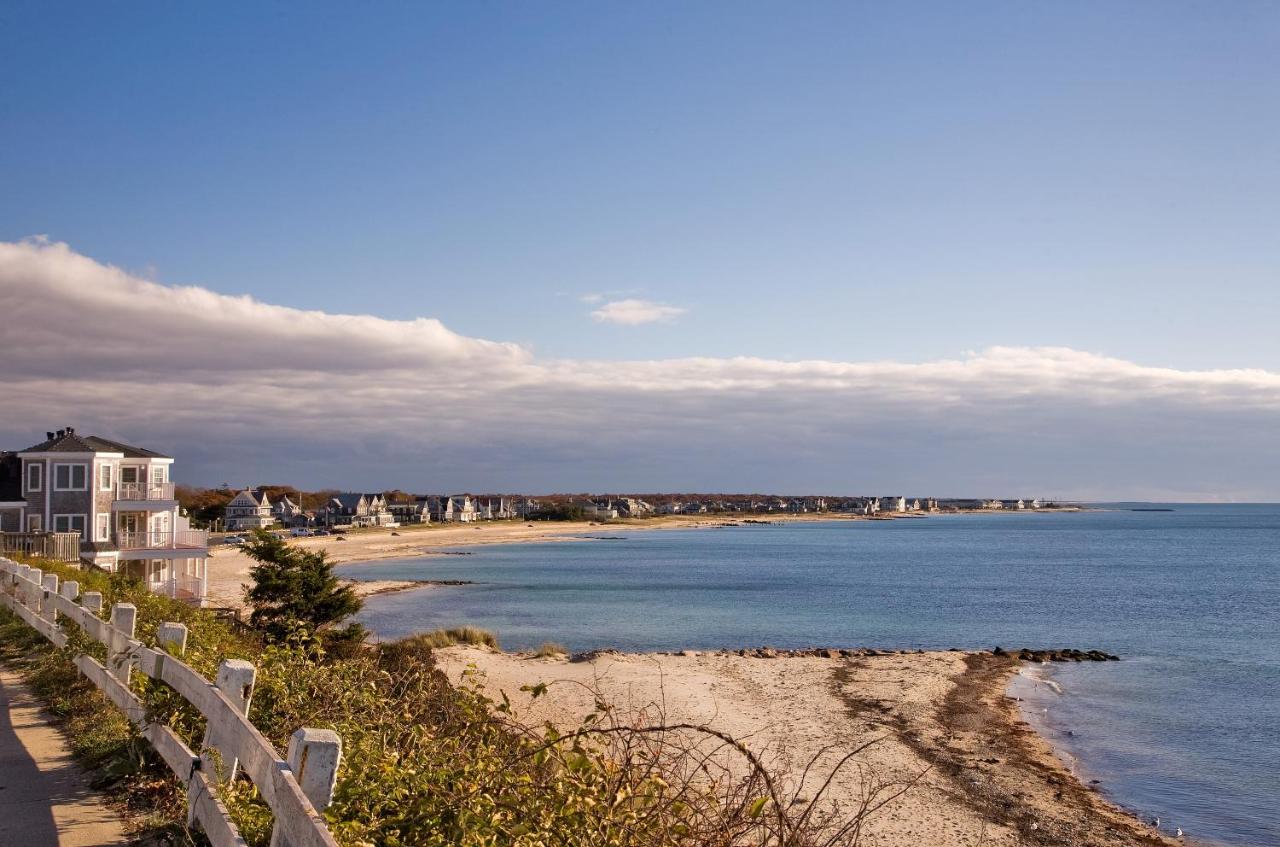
(983, 777)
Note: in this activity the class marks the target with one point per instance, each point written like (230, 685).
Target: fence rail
(59, 546)
(296, 789)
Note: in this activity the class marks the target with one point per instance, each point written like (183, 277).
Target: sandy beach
(980, 774)
(228, 567)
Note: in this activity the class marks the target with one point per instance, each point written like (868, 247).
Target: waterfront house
(354, 509)
(459, 508)
(248, 510)
(288, 513)
(893, 504)
(416, 510)
(120, 501)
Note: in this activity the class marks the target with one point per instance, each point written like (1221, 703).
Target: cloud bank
(244, 391)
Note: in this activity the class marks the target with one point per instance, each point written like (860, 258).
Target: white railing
(183, 539)
(296, 790)
(186, 588)
(144, 491)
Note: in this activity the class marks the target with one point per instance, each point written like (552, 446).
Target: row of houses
(253, 509)
(117, 498)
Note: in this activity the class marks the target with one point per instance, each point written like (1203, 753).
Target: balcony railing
(188, 588)
(183, 539)
(144, 491)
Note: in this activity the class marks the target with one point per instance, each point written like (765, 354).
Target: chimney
(61, 433)
(48, 436)
(71, 430)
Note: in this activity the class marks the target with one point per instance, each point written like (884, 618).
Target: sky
(991, 249)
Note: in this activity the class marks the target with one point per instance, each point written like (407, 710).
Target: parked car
(234, 539)
(301, 533)
(321, 532)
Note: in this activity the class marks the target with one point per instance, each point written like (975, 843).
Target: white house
(248, 510)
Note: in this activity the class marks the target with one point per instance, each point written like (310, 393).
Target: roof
(67, 441)
(348, 499)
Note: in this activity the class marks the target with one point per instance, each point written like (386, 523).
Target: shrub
(293, 587)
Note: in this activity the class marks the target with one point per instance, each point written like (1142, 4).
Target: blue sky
(827, 180)
(820, 181)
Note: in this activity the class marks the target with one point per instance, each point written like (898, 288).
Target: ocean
(1186, 727)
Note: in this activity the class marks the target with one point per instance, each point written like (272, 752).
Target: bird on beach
(1179, 832)
(1156, 822)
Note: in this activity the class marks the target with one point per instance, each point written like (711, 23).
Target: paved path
(45, 800)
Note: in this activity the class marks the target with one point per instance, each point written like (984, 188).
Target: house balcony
(193, 541)
(143, 496)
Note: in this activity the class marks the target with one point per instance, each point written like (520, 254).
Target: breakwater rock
(1024, 654)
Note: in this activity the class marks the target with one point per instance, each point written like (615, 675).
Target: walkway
(45, 800)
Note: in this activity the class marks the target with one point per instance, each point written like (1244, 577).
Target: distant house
(495, 509)
(248, 510)
(288, 513)
(119, 499)
(670, 508)
(893, 504)
(412, 511)
(459, 508)
(358, 510)
(630, 507)
(601, 510)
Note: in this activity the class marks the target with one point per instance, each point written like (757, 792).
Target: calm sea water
(1186, 727)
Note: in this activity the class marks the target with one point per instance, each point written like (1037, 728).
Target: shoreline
(946, 719)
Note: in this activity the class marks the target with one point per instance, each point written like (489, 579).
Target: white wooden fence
(296, 789)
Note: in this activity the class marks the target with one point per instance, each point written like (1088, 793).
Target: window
(35, 473)
(34, 523)
(104, 477)
(129, 475)
(69, 523)
(104, 527)
(69, 478)
(157, 474)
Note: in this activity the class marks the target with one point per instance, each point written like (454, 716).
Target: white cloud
(243, 390)
(634, 312)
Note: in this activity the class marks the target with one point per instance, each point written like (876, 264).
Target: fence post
(92, 601)
(235, 679)
(314, 756)
(124, 618)
(31, 594)
(71, 590)
(50, 585)
(172, 637)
